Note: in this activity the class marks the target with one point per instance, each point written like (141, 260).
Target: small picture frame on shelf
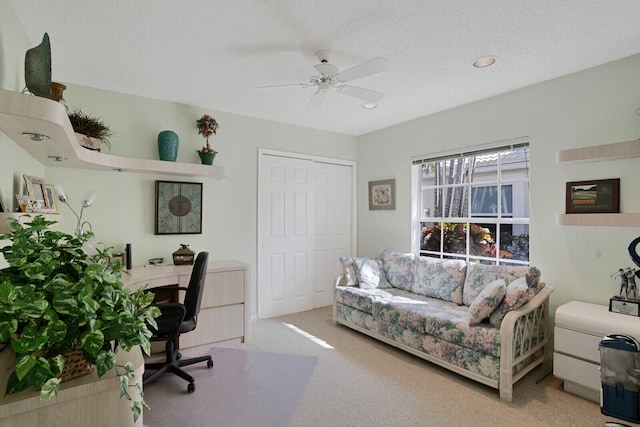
(34, 187)
(50, 199)
(595, 196)
(3, 203)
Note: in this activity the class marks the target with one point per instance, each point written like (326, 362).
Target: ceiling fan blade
(303, 85)
(376, 65)
(316, 100)
(360, 93)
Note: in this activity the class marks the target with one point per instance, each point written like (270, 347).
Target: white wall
(593, 107)
(124, 210)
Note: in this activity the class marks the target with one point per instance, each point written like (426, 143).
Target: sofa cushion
(517, 294)
(486, 301)
(407, 309)
(441, 279)
(480, 275)
(398, 268)
(348, 271)
(370, 274)
(360, 299)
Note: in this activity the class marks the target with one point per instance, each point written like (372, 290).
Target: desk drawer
(582, 346)
(578, 371)
(223, 288)
(216, 324)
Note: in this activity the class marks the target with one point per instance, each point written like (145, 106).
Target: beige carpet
(363, 382)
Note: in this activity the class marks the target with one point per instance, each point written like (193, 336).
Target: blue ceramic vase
(168, 145)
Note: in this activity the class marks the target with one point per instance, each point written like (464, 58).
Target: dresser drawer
(578, 344)
(216, 324)
(581, 372)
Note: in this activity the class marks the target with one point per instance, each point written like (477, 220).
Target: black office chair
(177, 319)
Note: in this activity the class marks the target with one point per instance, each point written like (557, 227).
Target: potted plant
(91, 131)
(55, 298)
(207, 126)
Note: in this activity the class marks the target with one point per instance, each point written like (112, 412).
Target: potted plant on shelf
(207, 126)
(91, 131)
(57, 303)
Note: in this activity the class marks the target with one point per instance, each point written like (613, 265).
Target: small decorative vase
(168, 145)
(207, 158)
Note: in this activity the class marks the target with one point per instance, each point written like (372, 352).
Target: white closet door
(332, 239)
(285, 236)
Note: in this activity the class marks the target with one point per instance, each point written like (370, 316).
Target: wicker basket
(75, 365)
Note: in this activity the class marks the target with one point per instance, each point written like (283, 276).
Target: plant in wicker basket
(62, 311)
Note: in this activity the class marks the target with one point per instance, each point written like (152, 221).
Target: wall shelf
(21, 113)
(615, 151)
(615, 220)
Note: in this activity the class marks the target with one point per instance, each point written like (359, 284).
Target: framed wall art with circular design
(178, 207)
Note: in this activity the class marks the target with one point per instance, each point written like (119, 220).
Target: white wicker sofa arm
(524, 335)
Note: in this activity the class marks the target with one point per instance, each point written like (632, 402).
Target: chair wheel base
(209, 363)
(191, 387)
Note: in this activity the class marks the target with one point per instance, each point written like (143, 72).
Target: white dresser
(579, 327)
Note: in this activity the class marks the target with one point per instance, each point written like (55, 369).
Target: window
(474, 205)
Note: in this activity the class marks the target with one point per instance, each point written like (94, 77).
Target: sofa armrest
(524, 334)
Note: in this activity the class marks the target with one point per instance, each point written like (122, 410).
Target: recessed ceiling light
(369, 105)
(37, 137)
(484, 61)
(58, 158)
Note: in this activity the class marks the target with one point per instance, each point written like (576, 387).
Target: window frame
(421, 216)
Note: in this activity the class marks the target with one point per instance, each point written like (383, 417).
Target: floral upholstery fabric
(398, 268)
(480, 275)
(348, 271)
(517, 294)
(358, 298)
(487, 301)
(370, 274)
(441, 279)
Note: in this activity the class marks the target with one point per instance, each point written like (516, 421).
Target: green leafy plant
(54, 297)
(91, 126)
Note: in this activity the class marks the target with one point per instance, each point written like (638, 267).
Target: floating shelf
(615, 151)
(20, 113)
(616, 220)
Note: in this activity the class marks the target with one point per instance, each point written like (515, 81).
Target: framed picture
(3, 203)
(50, 199)
(596, 196)
(382, 195)
(34, 187)
(178, 207)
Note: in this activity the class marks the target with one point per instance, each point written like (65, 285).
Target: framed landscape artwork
(382, 195)
(178, 207)
(596, 196)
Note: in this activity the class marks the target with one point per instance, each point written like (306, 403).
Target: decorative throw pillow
(486, 301)
(517, 295)
(441, 279)
(480, 275)
(349, 271)
(398, 268)
(370, 274)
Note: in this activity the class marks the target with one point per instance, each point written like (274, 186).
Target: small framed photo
(34, 187)
(596, 196)
(382, 195)
(50, 199)
(3, 203)
(178, 207)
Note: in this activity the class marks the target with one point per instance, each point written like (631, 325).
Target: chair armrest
(170, 319)
(166, 288)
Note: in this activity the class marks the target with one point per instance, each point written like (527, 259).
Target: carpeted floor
(244, 388)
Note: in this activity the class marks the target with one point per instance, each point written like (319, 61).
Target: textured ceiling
(212, 53)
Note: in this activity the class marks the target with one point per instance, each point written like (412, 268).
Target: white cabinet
(579, 327)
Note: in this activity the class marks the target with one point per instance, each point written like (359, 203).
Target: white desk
(578, 330)
(224, 313)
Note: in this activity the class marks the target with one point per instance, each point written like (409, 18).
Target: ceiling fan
(325, 76)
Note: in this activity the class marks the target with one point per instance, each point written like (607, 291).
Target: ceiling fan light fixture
(484, 61)
(369, 105)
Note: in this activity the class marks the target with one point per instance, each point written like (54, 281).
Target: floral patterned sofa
(486, 322)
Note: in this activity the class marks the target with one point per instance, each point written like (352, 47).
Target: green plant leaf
(92, 342)
(50, 389)
(136, 408)
(124, 385)
(105, 361)
(7, 329)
